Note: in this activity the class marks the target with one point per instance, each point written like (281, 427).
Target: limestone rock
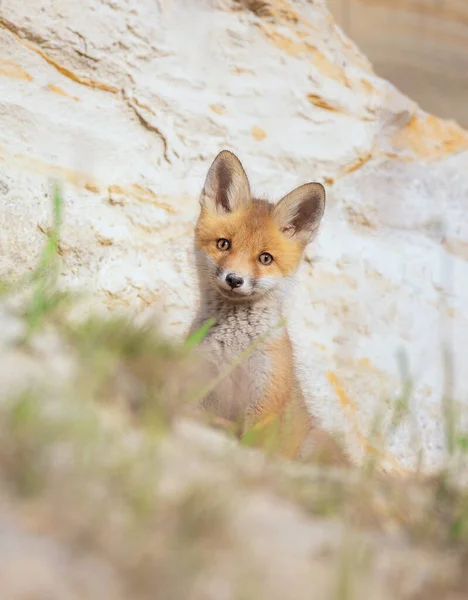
(127, 103)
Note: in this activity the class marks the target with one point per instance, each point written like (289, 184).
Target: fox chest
(243, 369)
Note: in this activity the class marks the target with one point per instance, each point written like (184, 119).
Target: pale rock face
(127, 103)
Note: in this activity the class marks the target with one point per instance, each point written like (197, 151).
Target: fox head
(247, 247)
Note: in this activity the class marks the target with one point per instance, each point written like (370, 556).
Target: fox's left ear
(226, 187)
(298, 214)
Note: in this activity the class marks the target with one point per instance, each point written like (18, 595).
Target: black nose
(234, 280)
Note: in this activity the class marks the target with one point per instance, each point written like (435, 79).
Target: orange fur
(251, 231)
(282, 405)
(283, 408)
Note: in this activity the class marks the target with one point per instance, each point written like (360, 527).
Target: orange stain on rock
(285, 43)
(58, 90)
(430, 138)
(36, 165)
(328, 68)
(8, 68)
(241, 70)
(218, 109)
(367, 86)
(92, 186)
(280, 10)
(258, 133)
(457, 247)
(317, 100)
(118, 193)
(343, 397)
(360, 162)
(301, 47)
(296, 43)
(62, 69)
(81, 180)
(366, 363)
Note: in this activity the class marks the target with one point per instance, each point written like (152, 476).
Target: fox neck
(263, 314)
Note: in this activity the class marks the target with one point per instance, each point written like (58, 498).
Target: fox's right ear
(299, 213)
(226, 187)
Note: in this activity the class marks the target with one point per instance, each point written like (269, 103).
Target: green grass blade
(197, 336)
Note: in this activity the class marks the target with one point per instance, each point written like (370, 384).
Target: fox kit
(247, 252)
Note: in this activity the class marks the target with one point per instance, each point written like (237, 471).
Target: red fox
(247, 251)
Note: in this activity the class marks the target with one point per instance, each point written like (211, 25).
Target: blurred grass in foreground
(89, 453)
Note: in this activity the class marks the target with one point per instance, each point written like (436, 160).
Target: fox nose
(234, 280)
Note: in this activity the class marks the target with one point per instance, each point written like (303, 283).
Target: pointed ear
(298, 214)
(226, 187)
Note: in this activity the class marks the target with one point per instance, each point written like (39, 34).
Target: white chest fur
(236, 348)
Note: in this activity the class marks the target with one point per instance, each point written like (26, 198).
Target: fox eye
(265, 258)
(223, 244)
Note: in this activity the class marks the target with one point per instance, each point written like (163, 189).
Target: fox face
(247, 247)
